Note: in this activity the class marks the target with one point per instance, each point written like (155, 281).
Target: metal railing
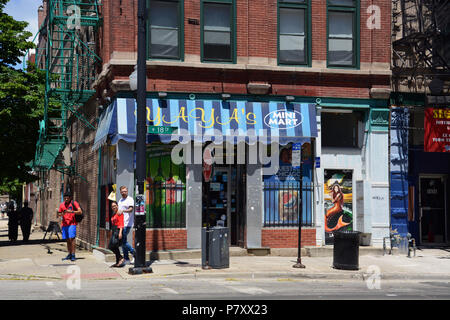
(281, 202)
(166, 206)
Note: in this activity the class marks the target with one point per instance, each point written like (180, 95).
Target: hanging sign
(437, 130)
(207, 164)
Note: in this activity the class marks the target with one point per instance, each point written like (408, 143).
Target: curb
(286, 276)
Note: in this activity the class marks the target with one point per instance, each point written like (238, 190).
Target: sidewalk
(41, 260)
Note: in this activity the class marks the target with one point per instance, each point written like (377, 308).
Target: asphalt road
(228, 289)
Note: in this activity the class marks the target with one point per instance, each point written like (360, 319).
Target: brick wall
(256, 35)
(85, 179)
(287, 238)
(256, 24)
(156, 239)
(166, 239)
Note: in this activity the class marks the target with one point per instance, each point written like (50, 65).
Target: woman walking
(117, 235)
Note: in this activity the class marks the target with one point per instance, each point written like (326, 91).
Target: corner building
(311, 76)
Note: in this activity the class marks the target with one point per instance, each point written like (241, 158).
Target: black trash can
(215, 249)
(346, 250)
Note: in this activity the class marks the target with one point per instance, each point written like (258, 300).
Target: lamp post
(139, 222)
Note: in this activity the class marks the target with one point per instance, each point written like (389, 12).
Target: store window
(165, 29)
(342, 129)
(343, 22)
(165, 189)
(293, 48)
(218, 30)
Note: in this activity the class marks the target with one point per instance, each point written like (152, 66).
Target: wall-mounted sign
(437, 130)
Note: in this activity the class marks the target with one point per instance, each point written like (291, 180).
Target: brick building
(326, 62)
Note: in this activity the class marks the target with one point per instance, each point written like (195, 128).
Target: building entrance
(433, 210)
(224, 201)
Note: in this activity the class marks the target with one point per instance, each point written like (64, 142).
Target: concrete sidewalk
(41, 260)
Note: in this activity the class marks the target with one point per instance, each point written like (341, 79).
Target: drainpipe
(99, 181)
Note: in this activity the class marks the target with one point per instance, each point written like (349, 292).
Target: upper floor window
(218, 30)
(165, 29)
(293, 39)
(343, 26)
(342, 128)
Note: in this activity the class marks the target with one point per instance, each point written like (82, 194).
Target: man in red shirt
(68, 209)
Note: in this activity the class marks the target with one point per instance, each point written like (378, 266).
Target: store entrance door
(432, 206)
(224, 201)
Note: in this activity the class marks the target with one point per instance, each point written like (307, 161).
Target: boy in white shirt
(126, 206)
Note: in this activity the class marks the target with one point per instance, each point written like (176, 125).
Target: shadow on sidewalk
(20, 242)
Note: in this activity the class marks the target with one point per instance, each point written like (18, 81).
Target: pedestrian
(26, 218)
(116, 235)
(13, 222)
(67, 210)
(126, 206)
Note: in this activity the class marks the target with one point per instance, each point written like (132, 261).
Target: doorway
(224, 201)
(433, 209)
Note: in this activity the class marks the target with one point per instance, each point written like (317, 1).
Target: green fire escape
(66, 52)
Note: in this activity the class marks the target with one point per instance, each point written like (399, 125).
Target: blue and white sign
(283, 119)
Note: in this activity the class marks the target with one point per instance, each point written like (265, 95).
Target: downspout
(99, 181)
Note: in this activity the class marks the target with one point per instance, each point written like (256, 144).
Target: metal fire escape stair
(69, 61)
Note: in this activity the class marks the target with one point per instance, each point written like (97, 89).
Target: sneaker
(132, 260)
(73, 258)
(69, 256)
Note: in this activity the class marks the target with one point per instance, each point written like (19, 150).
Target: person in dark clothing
(116, 235)
(13, 222)
(26, 218)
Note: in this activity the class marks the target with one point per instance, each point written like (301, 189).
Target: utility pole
(139, 221)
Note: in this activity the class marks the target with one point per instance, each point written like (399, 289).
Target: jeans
(126, 247)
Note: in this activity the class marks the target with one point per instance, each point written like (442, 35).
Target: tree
(21, 103)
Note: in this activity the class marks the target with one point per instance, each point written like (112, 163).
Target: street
(222, 289)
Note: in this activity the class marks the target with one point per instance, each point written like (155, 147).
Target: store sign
(437, 130)
(283, 119)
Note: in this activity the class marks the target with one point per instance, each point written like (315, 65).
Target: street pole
(139, 222)
(300, 214)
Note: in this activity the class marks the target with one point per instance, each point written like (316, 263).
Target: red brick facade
(156, 239)
(256, 52)
(256, 62)
(287, 238)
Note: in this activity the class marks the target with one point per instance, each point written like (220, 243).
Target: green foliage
(21, 103)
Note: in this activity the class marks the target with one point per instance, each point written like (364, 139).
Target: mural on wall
(338, 197)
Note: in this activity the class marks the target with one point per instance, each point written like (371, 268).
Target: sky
(25, 10)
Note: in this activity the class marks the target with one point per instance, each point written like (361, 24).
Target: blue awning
(213, 120)
(107, 125)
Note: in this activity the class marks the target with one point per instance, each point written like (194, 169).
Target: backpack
(79, 217)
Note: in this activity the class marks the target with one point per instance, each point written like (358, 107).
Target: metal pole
(139, 223)
(300, 213)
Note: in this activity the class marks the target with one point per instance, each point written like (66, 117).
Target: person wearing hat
(67, 210)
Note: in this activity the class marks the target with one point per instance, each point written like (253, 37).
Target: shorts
(69, 232)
